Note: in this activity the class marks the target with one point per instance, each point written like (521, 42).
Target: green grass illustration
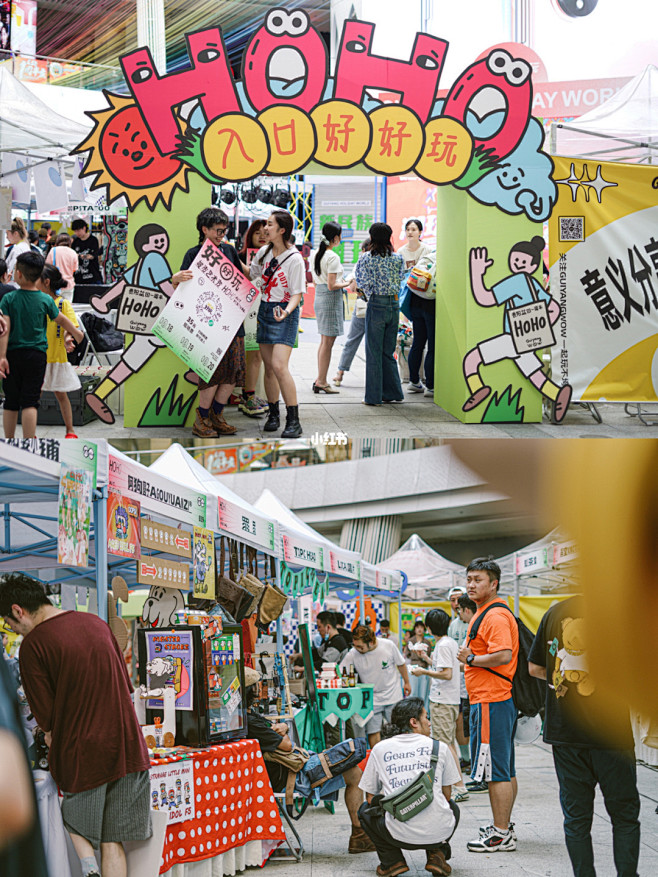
(171, 411)
(504, 408)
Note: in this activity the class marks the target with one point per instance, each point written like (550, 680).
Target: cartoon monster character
(208, 81)
(493, 99)
(571, 661)
(161, 606)
(519, 289)
(416, 80)
(151, 271)
(285, 62)
(121, 522)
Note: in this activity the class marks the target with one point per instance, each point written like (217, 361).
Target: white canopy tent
(429, 574)
(624, 128)
(28, 126)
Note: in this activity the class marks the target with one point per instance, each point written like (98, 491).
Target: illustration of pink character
(287, 52)
(209, 81)
(416, 80)
(518, 291)
(151, 271)
(496, 84)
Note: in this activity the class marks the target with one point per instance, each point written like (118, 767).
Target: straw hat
(251, 677)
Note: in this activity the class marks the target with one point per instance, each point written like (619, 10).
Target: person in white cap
(457, 630)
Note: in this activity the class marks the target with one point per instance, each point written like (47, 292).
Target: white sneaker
(429, 392)
(485, 828)
(492, 841)
(415, 388)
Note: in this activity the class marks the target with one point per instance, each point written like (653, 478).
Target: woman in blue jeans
(357, 329)
(379, 273)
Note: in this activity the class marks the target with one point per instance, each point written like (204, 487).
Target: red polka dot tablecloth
(234, 805)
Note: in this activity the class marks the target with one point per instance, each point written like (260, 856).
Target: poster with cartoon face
(74, 516)
(167, 782)
(169, 657)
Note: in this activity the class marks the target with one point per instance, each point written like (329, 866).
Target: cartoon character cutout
(517, 290)
(571, 661)
(201, 565)
(151, 271)
(161, 606)
(285, 62)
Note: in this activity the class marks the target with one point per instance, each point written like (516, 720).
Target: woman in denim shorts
(278, 269)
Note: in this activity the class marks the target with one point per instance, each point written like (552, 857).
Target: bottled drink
(352, 676)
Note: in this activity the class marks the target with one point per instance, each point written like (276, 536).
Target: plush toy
(571, 660)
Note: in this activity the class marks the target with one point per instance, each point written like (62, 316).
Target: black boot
(273, 421)
(293, 426)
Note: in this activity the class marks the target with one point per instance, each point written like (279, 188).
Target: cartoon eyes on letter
(142, 74)
(279, 22)
(516, 71)
(205, 56)
(355, 46)
(427, 62)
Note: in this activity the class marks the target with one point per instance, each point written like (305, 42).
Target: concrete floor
(417, 417)
(541, 851)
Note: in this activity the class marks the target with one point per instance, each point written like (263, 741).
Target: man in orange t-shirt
(490, 659)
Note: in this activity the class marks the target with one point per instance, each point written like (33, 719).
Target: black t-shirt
(89, 270)
(347, 635)
(227, 250)
(258, 728)
(571, 697)
(321, 654)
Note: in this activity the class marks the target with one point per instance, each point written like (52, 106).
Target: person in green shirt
(24, 315)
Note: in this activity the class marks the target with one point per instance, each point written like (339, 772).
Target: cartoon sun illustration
(123, 157)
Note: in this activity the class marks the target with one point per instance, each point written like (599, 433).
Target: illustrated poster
(202, 316)
(75, 489)
(123, 525)
(172, 789)
(204, 564)
(169, 656)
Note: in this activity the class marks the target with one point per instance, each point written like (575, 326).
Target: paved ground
(541, 851)
(417, 417)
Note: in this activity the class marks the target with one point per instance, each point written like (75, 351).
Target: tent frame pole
(100, 547)
(279, 624)
(362, 605)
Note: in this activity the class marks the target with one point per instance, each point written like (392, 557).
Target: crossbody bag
(416, 796)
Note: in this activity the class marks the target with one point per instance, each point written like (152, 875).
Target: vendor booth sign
(530, 562)
(154, 571)
(161, 537)
(172, 790)
(340, 704)
(201, 318)
(156, 493)
(604, 273)
(169, 655)
(236, 521)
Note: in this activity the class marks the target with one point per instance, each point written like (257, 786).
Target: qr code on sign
(572, 228)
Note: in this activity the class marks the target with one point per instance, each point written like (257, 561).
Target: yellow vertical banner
(203, 563)
(603, 249)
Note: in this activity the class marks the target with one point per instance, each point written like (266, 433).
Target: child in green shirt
(24, 315)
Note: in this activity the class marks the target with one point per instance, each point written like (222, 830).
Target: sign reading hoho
(139, 309)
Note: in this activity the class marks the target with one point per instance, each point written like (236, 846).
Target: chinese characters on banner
(234, 519)
(169, 660)
(203, 567)
(203, 315)
(172, 789)
(123, 525)
(603, 237)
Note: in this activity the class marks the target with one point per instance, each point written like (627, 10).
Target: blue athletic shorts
(493, 726)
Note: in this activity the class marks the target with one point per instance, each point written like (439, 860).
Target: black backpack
(528, 692)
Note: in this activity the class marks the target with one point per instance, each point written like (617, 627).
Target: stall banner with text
(604, 273)
(201, 318)
(169, 663)
(172, 789)
(74, 516)
(203, 566)
(238, 521)
(123, 525)
(162, 537)
(156, 493)
(155, 571)
(340, 704)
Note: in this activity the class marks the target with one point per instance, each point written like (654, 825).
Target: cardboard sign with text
(161, 537)
(165, 573)
(203, 315)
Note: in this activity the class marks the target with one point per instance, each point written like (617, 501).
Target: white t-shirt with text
(445, 655)
(399, 760)
(288, 278)
(378, 668)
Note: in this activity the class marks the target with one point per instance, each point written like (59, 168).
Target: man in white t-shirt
(444, 694)
(458, 628)
(378, 663)
(394, 762)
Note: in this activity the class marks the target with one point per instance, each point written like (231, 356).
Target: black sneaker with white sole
(477, 787)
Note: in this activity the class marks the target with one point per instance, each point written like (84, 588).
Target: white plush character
(161, 606)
